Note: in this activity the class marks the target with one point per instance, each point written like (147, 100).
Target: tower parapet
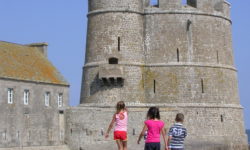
(132, 5)
(216, 7)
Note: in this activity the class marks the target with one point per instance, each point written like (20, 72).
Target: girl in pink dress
(154, 127)
(120, 119)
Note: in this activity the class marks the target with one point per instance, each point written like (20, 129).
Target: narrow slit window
(189, 23)
(154, 86)
(26, 95)
(221, 118)
(113, 60)
(217, 53)
(202, 86)
(60, 100)
(119, 43)
(142, 81)
(178, 55)
(10, 96)
(47, 98)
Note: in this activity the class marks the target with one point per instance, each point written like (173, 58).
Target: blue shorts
(152, 146)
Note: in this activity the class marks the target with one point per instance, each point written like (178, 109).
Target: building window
(60, 100)
(113, 60)
(26, 95)
(10, 96)
(47, 98)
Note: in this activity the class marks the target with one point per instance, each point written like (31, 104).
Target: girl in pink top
(154, 127)
(120, 119)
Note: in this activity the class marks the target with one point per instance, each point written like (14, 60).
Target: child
(177, 134)
(154, 127)
(120, 118)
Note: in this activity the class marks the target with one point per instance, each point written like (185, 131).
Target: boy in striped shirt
(177, 134)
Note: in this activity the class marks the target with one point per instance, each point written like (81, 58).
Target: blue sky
(62, 24)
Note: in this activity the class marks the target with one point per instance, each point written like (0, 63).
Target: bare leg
(124, 143)
(119, 144)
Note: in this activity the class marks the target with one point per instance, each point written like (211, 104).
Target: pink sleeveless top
(121, 121)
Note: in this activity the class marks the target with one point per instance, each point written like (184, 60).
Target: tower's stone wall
(178, 57)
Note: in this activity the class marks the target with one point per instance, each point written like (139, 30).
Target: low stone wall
(86, 126)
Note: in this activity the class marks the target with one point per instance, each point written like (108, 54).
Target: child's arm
(168, 141)
(170, 133)
(110, 127)
(142, 134)
(164, 137)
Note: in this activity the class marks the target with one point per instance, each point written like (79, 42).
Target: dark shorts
(152, 146)
(177, 148)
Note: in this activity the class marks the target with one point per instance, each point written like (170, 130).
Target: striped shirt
(178, 134)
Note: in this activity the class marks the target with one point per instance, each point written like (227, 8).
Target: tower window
(47, 98)
(184, 2)
(154, 86)
(10, 96)
(26, 95)
(178, 55)
(221, 118)
(60, 100)
(189, 22)
(119, 43)
(192, 3)
(218, 60)
(154, 3)
(202, 86)
(113, 60)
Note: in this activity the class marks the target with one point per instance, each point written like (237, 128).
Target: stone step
(61, 147)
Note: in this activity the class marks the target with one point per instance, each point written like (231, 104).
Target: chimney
(42, 47)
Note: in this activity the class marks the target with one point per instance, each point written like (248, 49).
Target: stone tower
(176, 56)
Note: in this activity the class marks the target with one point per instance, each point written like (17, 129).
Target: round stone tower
(176, 56)
(114, 53)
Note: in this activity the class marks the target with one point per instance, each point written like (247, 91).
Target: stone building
(176, 56)
(33, 96)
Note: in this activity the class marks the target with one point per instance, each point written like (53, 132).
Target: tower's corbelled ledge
(155, 11)
(164, 105)
(172, 64)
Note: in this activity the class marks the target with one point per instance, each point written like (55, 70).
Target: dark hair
(179, 117)
(120, 106)
(153, 113)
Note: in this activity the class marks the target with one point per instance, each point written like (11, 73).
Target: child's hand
(138, 141)
(106, 135)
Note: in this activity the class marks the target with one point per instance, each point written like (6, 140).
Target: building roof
(28, 63)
